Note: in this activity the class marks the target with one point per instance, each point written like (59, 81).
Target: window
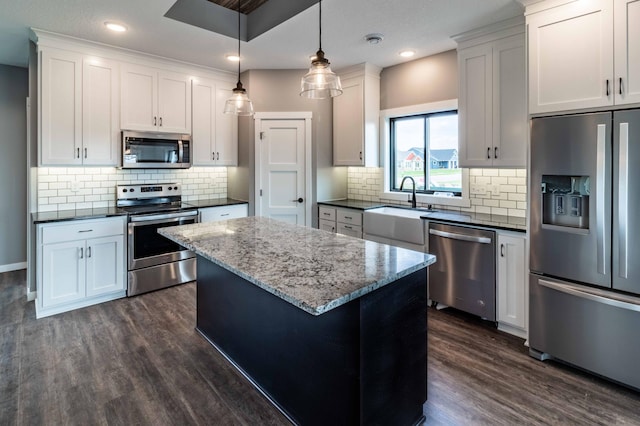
(425, 147)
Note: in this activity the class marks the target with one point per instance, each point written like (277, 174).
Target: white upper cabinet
(583, 54)
(60, 107)
(355, 117)
(79, 109)
(100, 112)
(154, 100)
(627, 50)
(492, 110)
(214, 134)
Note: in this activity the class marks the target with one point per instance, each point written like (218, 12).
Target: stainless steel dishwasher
(464, 277)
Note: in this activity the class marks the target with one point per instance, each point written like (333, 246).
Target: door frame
(295, 115)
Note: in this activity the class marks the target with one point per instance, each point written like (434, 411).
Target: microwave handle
(180, 152)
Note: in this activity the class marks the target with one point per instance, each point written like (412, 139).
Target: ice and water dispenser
(565, 201)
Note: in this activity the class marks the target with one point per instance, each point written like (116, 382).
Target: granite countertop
(509, 223)
(309, 268)
(214, 202)
(80, 214)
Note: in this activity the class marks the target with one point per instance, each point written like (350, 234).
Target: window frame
(385, 154)
(427, 157)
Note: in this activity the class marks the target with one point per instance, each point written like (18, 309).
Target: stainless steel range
(153, 261)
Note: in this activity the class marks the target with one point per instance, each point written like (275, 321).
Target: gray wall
(430, 79)
(278, 91)
(13, 164)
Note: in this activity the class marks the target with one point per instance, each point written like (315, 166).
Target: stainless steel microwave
(150, 150)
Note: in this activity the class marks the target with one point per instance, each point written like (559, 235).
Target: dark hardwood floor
(140, 361)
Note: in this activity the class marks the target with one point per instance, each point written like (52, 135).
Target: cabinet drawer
(212, 214)
(327, 213)
(350, 217)
(327, 225)
(81, 229)
(352, 230)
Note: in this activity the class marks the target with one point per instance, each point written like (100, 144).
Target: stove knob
(131, 190)
(169, 188)
(124, 190)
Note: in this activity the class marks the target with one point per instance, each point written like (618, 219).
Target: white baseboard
(13, 267)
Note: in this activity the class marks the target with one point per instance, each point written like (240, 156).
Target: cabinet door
(348, 124)
(63, 267)
(512, 300)
(203, 122)
(570, 57)
(627, 51)
(105, 265)
(226, 130)
(509, 103)
(174, 103)
(327, 225)
(475, 106)
(139, 98)
(100, 112)
(61, 107)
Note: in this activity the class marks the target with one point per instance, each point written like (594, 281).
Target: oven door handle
(164, 217)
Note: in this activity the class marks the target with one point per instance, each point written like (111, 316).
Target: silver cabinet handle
(360, 155)
(348, 217)
(488, 153)
(213, 156)
(461, 237)
(77, 152)
(155, 121)
(81, 252)
(607, 88)
(495, 152)
(89, 251)
(224, 214)
(600, 194)
(623, 198)
(160, 121)
(620, 301)
(85, 153)
(218, 156)
(86, 230)
(501, 250)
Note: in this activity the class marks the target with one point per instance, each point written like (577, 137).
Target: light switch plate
(73, 186)
(478, 189)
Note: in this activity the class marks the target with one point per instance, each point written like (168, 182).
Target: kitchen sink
(395, 223)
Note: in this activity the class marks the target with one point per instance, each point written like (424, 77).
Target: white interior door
(282, 152)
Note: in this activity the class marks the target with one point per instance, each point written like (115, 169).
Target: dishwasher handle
(461, 237)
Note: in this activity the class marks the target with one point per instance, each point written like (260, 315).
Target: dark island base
(364, 362)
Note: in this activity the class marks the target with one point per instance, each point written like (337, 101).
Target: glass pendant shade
(320, 82)
(239, 103)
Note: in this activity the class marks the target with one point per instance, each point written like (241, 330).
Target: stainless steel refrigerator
(584, 242)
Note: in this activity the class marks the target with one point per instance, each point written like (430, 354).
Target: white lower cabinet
(512, 296)
(340, 220)
(214, 214)
(79, 263)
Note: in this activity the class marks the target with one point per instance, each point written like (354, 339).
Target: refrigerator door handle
(623, 199)
(620, 301)
(600, 198)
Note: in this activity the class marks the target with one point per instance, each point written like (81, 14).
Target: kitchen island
(332, 329)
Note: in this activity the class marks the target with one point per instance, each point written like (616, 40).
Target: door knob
(299, 200)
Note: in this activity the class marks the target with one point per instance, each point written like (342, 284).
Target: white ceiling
(422, 25)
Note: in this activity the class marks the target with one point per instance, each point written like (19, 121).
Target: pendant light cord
(320, 25)
(238, 41)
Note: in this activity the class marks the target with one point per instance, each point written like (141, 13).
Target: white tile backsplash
(68, 188)
(367, 183)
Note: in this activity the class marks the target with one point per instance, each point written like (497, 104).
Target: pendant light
(239, 103)
(320, 82)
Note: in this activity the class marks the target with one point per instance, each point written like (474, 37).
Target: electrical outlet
(478, 189)
(495, 189)
(73, 186)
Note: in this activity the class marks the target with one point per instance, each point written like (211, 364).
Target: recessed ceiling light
(407, 53)
(232, 57)
(119, 28)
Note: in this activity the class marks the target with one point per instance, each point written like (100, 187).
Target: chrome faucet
(413, 191)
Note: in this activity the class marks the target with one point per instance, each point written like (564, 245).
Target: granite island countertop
(309, 268)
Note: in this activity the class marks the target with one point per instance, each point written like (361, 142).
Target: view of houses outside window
(435, 134)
